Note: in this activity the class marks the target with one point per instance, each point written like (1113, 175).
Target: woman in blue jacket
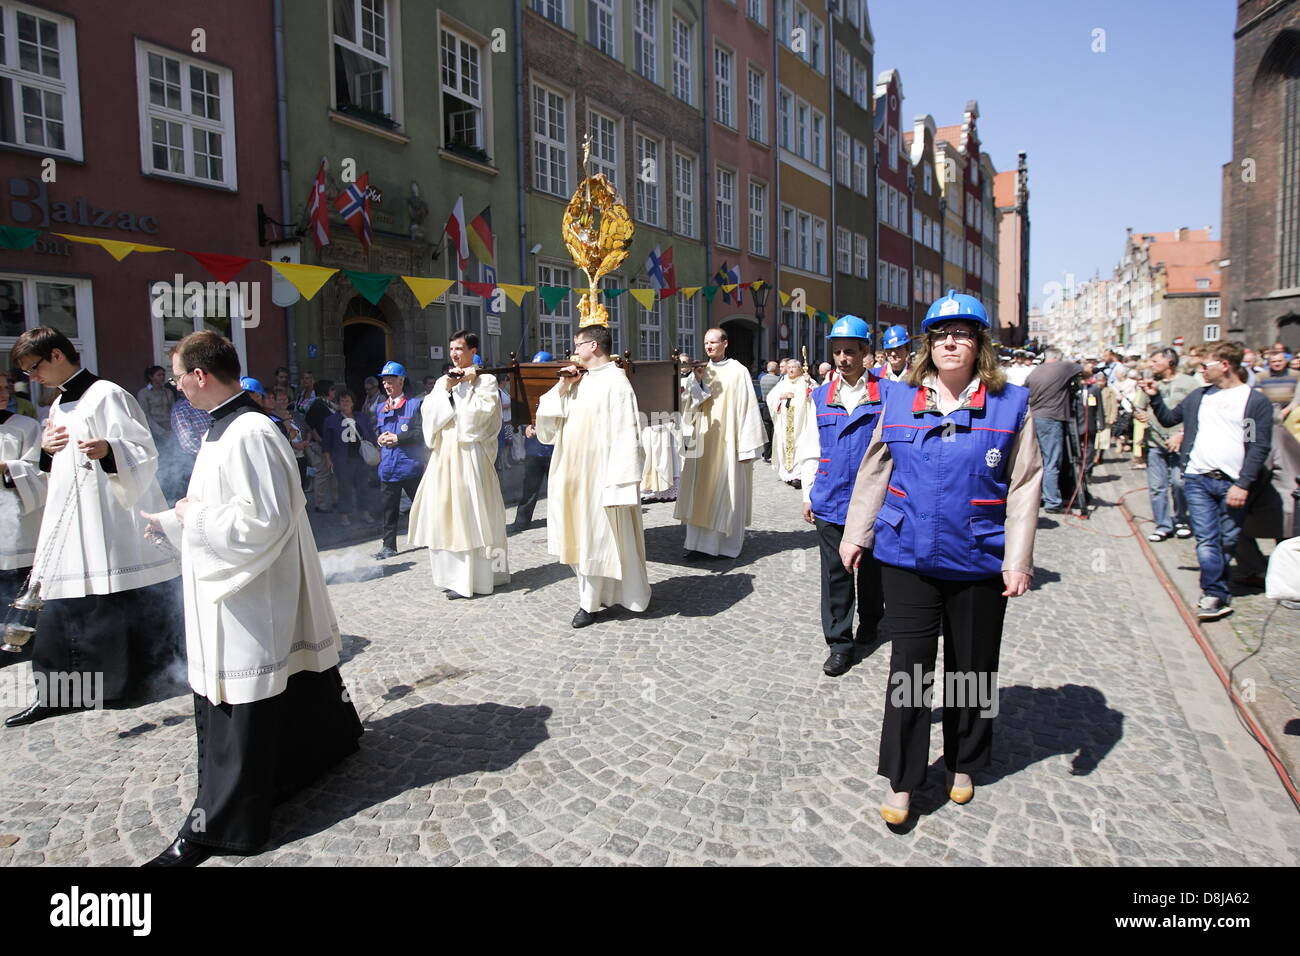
(947, 499)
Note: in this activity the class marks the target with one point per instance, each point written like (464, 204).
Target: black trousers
(536, 469)
(766, 414)
(970, 614)
(838, 597)
(254, 756)
(352, 474)
(392, 497)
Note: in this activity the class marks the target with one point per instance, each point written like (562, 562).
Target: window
(860, 167)
(187, 122)
(803, 258)
(819, 247)
(553, 10)
(843, 80)
(818, 153)
(816, 44)
(916, 283)
(726, 207)
(684, 194)
(65, 304)
(801, 128)
(1202, 283)
(757, 218)
(801, 24)
(853, 11)
(757, 105)
(602, 26)
(843, 250)
(462, 94)
(685, 325)
(650, 327)
(787, 235)
(1211, 333)
(882, 270)
(882, 200)
(893, 149)
(860, 89)
(362, 76)
(757, 10)
(1212, 308)
(617, 310)
(783, 22)
(724, 94)
(554, 329)
(645, 37)
(1288, 221)
(604, 145)
(928, 174)
(916, 221)
(550, 142)
(647, 184)
(683, 82)
(843, 164)
(783, 120)
(39, 99)
(860, 255)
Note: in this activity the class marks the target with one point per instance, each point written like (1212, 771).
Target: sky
(1133, 135)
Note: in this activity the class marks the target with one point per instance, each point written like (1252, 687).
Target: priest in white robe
(789, 404)
(726, 435)
(109, 617)
(593, 505)
(458, 512)
(22, 502)
(270, 709)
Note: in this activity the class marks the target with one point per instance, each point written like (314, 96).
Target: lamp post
(760, 303)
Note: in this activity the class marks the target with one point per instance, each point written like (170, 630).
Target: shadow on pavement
(666, 544)
(694, 595)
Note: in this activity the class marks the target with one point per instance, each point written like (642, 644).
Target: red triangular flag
(222, 267)
(667, 291)
(483, 289)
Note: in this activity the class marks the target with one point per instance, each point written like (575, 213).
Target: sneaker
(1182, 531)
(1211, 608)
(1158, 536)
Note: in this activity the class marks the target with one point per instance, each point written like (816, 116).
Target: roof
(949, 134)
(1183, 278)
(1185, 253)
(1192, 235)
(1004, 189)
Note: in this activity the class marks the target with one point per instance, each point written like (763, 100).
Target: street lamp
(760, 302)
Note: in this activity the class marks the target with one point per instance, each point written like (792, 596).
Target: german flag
(480, 238)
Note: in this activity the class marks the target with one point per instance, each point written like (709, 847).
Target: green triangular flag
(371, 285)
(12, 237)
(613, 293)
(552, 294)
(709, 291)
(820, 316)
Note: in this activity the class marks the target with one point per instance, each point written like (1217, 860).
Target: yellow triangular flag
(306, 279)
(810, 310)
(516, 293)
(690, 291)
(116, 248)
(757, 284)
(785, 297)
(426, 290)
(730, 288)
(646, 297)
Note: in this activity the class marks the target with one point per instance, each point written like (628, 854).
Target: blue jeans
(1051, 435)
(1165, 478)
(1217, 528)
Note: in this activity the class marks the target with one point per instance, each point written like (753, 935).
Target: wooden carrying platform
(655, 384)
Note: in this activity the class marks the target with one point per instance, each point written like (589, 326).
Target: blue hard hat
(850, 327)
(393, 368)
(252, 385)
(543, 357)
(895, 337)
(955, 305)
(478, 359)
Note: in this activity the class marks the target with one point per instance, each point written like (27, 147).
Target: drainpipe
(706, 174)
(519, 159)
(832, 239)
(776, 181)
(282, 118)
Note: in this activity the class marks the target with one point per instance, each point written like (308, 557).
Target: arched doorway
(367, 344)
(740, 341)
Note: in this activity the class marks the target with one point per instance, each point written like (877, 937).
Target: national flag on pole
(480, 237)
(354, 206)
(320, 213)
(669, 271)
(457, 232)
(654, 267)
(723, 277)
(735, 277)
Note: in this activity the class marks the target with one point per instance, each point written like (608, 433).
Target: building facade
(927, 220)
(1011, 200)
(894, 184)
(854, 208)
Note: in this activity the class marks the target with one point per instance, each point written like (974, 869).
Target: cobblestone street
(702, 731)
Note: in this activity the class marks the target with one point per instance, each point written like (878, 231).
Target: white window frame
(601, 162)
(783, 22)
(860, 168)
(686, 334)
(757, 103)
(843, 70)
(611, 8)
(725, 205)
(819, 247)
(843, 158)
(650, 327)
(1211, 333)
(83, 294)
(928, 176)
(787, 235)
(817, 153)
(756, 10)
(758, 218)
(554, 10)
(893, 150)
(684, 60)
(785, 103)
(617, 310)
(484, 130)
(685, 222)
(860, 85)
(189, 122)
(647, 196)
(546, 141)
(387, 61)
(802, 127)
(645, 38)
(817, 45)
(555, 329)
(843, 251)
(861, 256)
(66, 85)
(724, 86)
(803, 241)
(1213, 307)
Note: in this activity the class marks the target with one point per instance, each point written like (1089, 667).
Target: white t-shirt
(1017, 374)
(1220, 433)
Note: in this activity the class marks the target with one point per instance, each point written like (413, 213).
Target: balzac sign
(30, 206)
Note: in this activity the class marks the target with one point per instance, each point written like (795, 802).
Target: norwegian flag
(354, 205)
(320, 213)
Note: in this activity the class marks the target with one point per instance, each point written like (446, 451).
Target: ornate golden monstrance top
(598, 234)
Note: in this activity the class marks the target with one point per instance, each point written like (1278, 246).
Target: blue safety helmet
(393, 368)
(955, 305)
(850, 327)
(478, 359)
(543, 357)
(252, 385)
(895, 337)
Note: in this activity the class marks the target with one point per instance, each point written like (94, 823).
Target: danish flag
(320, 214)
(354, 206)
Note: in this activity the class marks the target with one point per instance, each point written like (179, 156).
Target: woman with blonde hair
(947, 500)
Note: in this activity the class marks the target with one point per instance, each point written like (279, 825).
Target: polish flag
(458, 234)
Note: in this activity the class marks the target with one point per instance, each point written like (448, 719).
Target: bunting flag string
(785, 297)
(646, 297)
(223, 268)
(516, 293)
(483, 289)
(116, 248)
(14, 237)
(690, 290)
(371, 285)
(306, 279)
(613, 294)
(426, 290)
(552, 295)
(709, 291)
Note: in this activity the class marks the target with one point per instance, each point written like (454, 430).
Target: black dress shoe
(182, 852)
(583, 618)
(38, 712)
(837, 663)
(385, 553)
(1059, 510)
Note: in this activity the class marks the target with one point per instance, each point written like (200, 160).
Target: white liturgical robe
(789, 403)
(101, 548)
(458, 513)
(22, 500)
(593, 504)
(256, 608)
(725, 435)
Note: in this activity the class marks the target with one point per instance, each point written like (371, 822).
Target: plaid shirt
(189, 425)
(931, 386)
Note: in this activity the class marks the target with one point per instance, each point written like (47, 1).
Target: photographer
(1049, 406)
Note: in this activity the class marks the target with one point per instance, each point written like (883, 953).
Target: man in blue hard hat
(898, 354)
(830, 448)
(401, 450)
(537, 462)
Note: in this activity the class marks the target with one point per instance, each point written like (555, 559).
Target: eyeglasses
(584, 342)
(175, 380)
(1213, 364)
(28, 371)
(959, 336)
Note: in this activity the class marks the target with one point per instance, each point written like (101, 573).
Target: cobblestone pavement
(702, 731)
